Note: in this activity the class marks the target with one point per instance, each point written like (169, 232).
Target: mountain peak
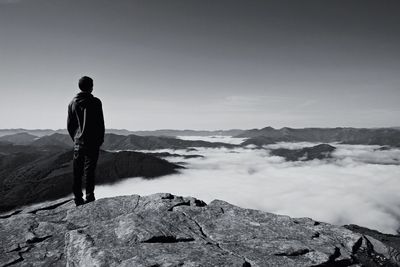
(268, 128)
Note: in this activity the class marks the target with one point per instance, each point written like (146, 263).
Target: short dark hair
(85, 83)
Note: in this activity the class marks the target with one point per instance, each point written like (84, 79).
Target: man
(85, 125)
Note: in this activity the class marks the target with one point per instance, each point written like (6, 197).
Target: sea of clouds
(359, 185)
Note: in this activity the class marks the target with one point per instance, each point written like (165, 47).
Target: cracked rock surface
(168, 230)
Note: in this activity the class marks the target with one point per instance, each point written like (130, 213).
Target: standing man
(85, 125)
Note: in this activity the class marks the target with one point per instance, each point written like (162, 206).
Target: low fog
(359, 185)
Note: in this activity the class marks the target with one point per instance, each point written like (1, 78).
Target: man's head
(86, 84)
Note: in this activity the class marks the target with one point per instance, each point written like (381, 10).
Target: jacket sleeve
(71, 123)
(101, 123)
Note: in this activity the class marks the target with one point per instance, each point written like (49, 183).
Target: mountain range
(112, 141)
(162, 139)
(359, 136)
(34, 168)
(30, 174)
(160, 132)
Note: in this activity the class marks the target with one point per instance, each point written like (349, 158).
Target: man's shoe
(79, 201)
(90, 198)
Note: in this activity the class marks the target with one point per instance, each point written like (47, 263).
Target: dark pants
(85, 161)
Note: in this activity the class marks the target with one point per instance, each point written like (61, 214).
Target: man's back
(85, 120)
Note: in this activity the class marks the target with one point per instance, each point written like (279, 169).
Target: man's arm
(71, 123)
(101, 123)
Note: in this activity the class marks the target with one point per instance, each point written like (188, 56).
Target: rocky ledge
(167, 230)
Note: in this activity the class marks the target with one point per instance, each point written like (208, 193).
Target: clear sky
(205, 64)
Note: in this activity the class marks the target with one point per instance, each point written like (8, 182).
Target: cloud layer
(359, 185)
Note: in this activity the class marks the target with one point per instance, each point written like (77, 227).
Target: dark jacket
(85, 122)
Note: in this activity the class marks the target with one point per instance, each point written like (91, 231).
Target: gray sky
(206, 64)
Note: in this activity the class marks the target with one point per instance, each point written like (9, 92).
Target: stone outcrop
(167, 230)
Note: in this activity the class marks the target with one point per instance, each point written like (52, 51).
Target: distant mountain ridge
(56, 139)
(122, 142)
(171, 132)
(131, 142)
(36, 132)
(364, 136)
(19, 138)
(160, 132)
(321, 151)
(258, 137)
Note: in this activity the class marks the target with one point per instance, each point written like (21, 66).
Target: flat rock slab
(168, 230)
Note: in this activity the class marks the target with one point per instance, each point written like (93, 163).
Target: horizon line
(209, 130)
